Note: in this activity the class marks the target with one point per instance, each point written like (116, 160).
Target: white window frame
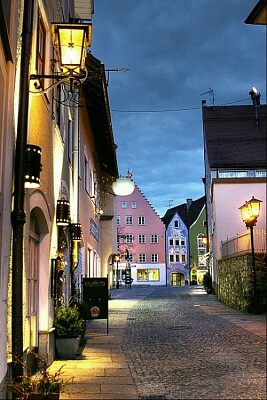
(124, 204)
(129, 238)
(129, 220)
(141, 258)
(141, 238)
(154, 258)
(141, 220)
(154, 238)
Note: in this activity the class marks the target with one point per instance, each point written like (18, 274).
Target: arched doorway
(177, 279)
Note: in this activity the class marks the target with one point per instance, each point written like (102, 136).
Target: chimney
(188, 203)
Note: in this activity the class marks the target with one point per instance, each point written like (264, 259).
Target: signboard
(95, 297)
(128, 277)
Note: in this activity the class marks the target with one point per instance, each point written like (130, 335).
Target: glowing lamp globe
(123, 186)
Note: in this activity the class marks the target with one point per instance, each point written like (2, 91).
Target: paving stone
(170, 343)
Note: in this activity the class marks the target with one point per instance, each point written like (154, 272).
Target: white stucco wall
(227, 198)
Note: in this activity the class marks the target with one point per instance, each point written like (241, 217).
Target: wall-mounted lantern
(76, 232)
(33, 166)
(70, 43)
(63, 213)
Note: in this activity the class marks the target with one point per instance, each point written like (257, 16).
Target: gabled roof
(235, 136)
(97, 105)
(189, 212)
(258, 15)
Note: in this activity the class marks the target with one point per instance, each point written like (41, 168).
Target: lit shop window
(148, 275)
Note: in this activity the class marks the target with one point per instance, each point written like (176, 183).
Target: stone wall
(235, 282)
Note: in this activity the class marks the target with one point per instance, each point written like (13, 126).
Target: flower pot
(67, 348)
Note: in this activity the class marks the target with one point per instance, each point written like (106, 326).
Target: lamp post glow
(250, 212)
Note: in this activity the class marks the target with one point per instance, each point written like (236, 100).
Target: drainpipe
(75, 180)
(18, 216)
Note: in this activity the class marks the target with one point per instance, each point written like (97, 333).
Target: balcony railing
(242, 244)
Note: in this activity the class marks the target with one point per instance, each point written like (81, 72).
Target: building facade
(186, 246)
(140, 241)
(235, 170)
(64, 228)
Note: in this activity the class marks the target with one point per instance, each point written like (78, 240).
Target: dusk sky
(178, 52)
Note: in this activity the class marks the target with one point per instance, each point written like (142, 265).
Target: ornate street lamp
(250, 212)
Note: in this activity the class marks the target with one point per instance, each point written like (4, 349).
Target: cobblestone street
(177, 348)
(169, 343)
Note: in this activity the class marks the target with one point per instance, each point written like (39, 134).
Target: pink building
(141, 234)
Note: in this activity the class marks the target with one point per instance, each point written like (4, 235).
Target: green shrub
(67, 322)
(207, 281)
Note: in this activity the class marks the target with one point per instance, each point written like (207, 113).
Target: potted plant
(42, 386)
(207, 282)
(68, 328)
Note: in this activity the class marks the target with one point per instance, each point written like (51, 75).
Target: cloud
(176, 51)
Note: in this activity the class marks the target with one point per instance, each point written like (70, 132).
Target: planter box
(67, 348)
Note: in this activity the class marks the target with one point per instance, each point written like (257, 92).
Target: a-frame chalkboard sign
(95, 298)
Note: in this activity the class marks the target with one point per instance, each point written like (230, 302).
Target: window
(154, 239)
(124, 204)
(171, 242)
(129, 220)
(92, 183)
(86, 176)
(118, 220)
(148, 274)
(171, 258)
(182, 242)
(201, 242)
(141, 220)
(176, 223)
(118, 238)
(141, 258)
(131, 258)
(141, 238)
(129, 238)
(154, 257)
(133, 204)
(183, 258)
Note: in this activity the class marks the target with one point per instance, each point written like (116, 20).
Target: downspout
(18, 216)
(75, 180)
